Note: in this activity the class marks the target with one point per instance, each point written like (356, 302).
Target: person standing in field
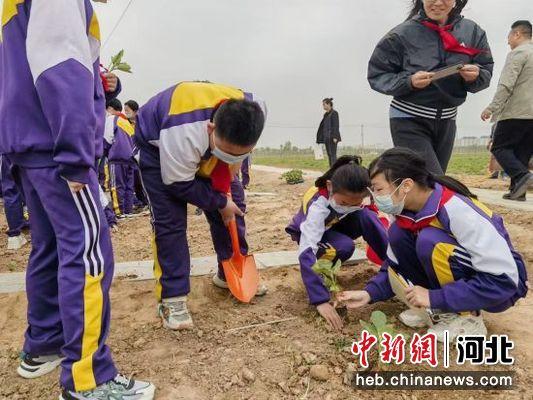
(423, 112)
(328, 131)
(52, 112)
(512, 109)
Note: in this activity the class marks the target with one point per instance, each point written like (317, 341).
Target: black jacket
(412, 47)
(329, 127)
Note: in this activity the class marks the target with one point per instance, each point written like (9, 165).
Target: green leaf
(124, 67)
(379, 319)
(369, 327)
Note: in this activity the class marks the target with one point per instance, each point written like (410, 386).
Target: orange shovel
(240, 270)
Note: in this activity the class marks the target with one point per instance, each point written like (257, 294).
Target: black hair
(133, 105)
(115, 104)
(346, 175)
(524, 27)
(328, 101)
(400, 163)
(239, 122)
(418, 5)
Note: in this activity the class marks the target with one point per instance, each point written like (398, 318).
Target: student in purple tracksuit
(13, 207)
(52, 111)
(245, 172)
(118, 149)
(192, 139)
(453, 252)
(330, 220)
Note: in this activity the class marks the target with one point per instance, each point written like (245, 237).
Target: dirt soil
(266, 363)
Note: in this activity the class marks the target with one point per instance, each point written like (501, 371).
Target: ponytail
(454, 185)
(346, 174)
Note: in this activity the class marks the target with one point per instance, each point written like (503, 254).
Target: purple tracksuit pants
(122, 187)
(13, 201)
(68, 277)
(169, 218)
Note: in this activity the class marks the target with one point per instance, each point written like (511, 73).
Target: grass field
(461, 163)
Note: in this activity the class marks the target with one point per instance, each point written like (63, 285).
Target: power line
(117, 23)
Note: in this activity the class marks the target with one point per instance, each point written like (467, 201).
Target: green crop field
(461, 163)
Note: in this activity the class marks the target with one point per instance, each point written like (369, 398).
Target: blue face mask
(228, 158)
(386, 204)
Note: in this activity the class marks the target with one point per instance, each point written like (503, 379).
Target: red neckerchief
(221, 177)
(414, 226)
(449, 41)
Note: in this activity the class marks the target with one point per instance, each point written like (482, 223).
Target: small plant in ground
(329, 271)
(293, 177)
(378, 325)
(118, 65)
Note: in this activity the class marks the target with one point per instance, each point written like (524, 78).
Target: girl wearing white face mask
(453, 253)
(331, 218)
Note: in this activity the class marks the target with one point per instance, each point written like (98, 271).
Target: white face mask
(343, 209)
(229, 158)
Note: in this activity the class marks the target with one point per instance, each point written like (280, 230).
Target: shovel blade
(242, 277)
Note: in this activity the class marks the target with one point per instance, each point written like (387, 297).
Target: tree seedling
(378, 325)
(329, 271)
(118, 65)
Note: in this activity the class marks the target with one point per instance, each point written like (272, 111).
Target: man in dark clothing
(328, 131)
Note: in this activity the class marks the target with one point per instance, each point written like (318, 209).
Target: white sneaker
(457, 325)
(262, 289)
(119, 388)
(415, 318)
(174, 313)
(16, 242)
(34, 367)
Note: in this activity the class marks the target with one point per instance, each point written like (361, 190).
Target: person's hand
(114, 228)
(112, 81)
(330, 315)
(354, 299)
(229, 212)
(75, 186)
(335, 140)
(486, 115)
(418, 296)
(469, 72)
(422, 79)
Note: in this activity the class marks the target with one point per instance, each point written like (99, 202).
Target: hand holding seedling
(418, 296)
(354, 298)
(330, 314)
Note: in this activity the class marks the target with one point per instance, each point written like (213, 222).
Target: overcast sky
(292, 53)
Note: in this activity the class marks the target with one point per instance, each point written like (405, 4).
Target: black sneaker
(35, 366)
(521, 186)
(507, 196)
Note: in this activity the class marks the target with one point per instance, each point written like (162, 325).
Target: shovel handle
(234, 235)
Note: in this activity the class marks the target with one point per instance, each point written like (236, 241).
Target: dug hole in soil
(296, 359)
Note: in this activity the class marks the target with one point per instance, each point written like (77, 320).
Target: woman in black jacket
(423, 111)
(328, 131)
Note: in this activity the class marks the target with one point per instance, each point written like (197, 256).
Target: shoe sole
(182, 327)
(40, 372)
(148, 394)
(522, 187)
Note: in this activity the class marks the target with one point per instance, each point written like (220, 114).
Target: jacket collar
(430, 209)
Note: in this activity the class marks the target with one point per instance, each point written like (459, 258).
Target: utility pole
(362, 137)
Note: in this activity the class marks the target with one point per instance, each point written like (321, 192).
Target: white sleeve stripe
(314, 226)
(181, 149)
(488, 250)
(57, 32)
